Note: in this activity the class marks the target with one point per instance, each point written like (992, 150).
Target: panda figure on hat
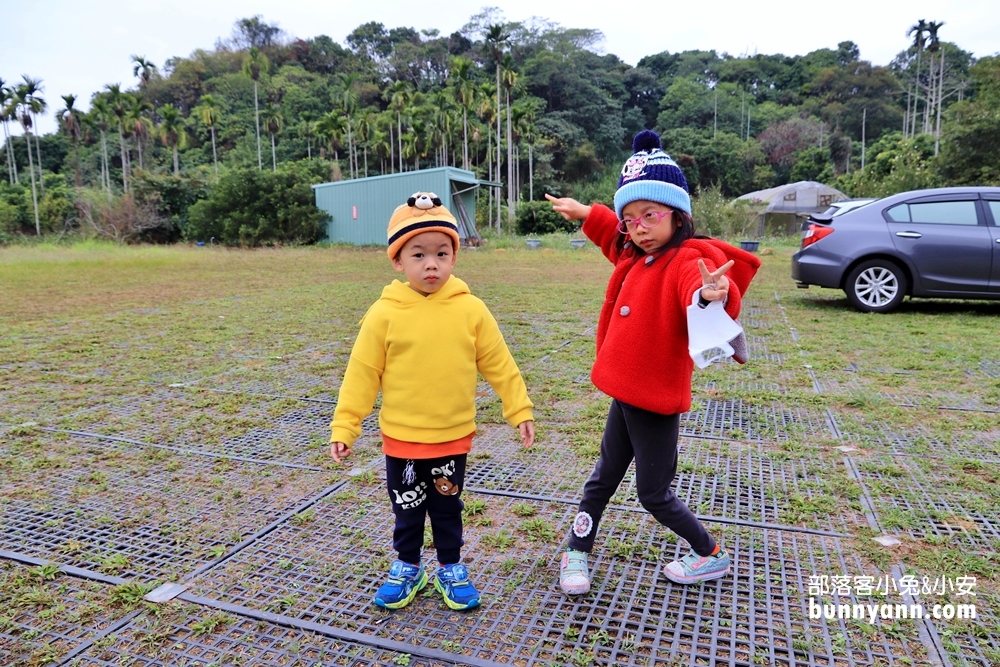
(664, 277)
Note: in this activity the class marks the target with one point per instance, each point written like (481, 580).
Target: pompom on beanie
(651, 175)
(422, 212)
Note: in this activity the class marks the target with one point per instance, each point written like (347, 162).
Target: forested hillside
(172, 154)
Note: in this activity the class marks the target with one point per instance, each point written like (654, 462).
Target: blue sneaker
(405, 581)
(693, 568)
(453, 583)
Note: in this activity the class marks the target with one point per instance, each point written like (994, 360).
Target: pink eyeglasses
(646, 221)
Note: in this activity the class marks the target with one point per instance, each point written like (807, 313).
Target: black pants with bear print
(651, 439)
(427, 487)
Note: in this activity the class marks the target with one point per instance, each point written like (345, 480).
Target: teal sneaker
(693, 568)
(574, 577)
(404, 582)
(452, 581)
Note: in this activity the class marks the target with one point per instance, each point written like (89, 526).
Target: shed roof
(798, 197)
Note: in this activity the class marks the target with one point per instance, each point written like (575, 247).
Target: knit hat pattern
(651, 175)
(422, 212)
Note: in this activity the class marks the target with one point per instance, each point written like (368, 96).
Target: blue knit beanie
(651, 175)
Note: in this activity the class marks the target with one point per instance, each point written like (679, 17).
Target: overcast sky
(78, 47)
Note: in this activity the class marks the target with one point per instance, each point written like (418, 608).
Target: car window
(900, 213)
(945, 212)
(995, 210)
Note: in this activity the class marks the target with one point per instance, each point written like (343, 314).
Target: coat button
(649, 260)
(624, 311)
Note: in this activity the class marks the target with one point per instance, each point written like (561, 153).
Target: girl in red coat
(642, 359)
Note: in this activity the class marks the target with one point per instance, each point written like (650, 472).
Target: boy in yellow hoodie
(423, 343)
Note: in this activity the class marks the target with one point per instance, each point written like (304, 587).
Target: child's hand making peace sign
(715, 283)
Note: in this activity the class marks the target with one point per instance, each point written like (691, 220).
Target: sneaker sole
(408, 599)
(696, 579)
(457, 606)
(574, 590)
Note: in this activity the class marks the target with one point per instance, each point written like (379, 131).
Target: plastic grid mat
(942, 503)
(736, 420)
(49, 619)
(990, 367)
(139, 511)
(974, 641)
(284, 430)
(145, 642)
(743, 482)
(918, 442)
(327, 570)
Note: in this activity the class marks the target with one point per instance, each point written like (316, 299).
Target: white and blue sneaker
(452, 581)
(693, 568)
(404, 582)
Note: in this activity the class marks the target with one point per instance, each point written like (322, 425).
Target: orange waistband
(401, 449)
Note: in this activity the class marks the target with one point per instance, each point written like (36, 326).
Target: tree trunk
(274, 159)
(499, 192)
(138, 149)
(11, 165)
(34, 194)
(215, 156)
(392, 151)
(399, 138)
(121, 141)
(38, 154)
(309, 149)
(531, 175)
(177, 166)
(465, 138)
(256, 116)
(107, 164)
(511, 180)
(940, 98)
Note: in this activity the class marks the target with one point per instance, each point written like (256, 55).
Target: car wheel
(876, 286)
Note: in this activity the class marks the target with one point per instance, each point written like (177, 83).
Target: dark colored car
(942, 243)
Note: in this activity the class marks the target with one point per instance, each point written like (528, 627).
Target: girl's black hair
(684, 232)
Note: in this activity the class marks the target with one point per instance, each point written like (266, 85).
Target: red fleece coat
(642, 342)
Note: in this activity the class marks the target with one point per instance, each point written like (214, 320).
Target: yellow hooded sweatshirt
(425, 352)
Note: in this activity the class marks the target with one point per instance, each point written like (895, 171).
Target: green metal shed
(360, 208)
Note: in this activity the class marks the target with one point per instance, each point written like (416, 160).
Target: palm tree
(172, 132)
(100, 116)
(509, 77)
(254, 65)
(119, 103)
(209, 110)
(330, 128)
(143, 69)
(487, 112)
(6, 114)
(917, 30)
(496, 38)
(22, 101)
(399, 96)
(365, 128)
(69, 121)
(465, 95)
(35, 105)
(349, 100)
(307, 130)
(138, 124)
(274, 122)
(934, 45)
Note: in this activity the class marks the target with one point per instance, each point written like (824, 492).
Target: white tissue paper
(712, 333)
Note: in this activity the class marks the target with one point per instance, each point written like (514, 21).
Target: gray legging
(651, 439)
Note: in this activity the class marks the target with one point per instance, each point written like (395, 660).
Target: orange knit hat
(422, 212)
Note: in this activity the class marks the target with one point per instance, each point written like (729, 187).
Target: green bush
(251, 208)
(170, 196)
(537, 217)
(715, 215)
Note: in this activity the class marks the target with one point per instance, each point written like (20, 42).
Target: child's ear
(396, 264)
